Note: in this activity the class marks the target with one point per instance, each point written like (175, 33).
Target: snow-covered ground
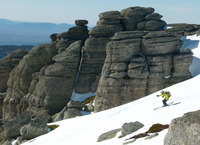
(85, 130)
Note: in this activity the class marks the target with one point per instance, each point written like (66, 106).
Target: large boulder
(134, 15)
(108, 135)
(38, 126)
(184, 130)
(71, 113)
(128, 128)
(12, 128)
(108, 24)
(81, 22)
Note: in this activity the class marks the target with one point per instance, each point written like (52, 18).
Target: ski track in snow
(85, 130)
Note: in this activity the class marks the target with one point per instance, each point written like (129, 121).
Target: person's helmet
(161, 91)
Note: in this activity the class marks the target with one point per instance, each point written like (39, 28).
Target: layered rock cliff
(141, 60)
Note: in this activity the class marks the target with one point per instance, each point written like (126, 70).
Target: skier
(165, 95)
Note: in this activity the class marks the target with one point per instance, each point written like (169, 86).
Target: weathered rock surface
(21, 76)
(198, 32)
(56, 81)
(75, 104)
(183, 29)
(137, 66)
(184, 130)
(128, 128)
(59, 116)
(133, 16)
(71, 113)
(81, 22)
(108, 135)
(36, 127)
(94, 50)
(12, 128)
(78, 32)
(7, 64)
(2, 96)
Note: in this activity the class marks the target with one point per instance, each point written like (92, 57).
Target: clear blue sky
(67, 11)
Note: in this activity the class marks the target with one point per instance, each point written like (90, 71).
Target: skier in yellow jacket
(165, 95)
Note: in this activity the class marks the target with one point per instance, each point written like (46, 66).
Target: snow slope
(85, 130)
(193, 43)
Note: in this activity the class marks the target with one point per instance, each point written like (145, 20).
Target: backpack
(168, 93)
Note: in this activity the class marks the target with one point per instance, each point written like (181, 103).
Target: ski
(169, 104)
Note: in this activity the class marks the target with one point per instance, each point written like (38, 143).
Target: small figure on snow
(166, 95)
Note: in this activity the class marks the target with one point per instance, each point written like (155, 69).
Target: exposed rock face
(12, 128)
(139, 18)
(139, 63)
(37, 126)
(79, 32)
(56, 81)
(44, 81)
(198, 32)
(184, 29)
(184, 130)
(7, 64)
(21, 76)
(94, 51)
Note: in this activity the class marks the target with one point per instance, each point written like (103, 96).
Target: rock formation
(128, 51)
(141, 61)
(184, 130)
(126, 56)
(94, 51)
(21, 77)
(56, 81)
(7, 64)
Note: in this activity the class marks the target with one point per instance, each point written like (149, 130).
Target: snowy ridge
(85, 130)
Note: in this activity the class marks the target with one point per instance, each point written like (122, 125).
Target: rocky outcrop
(57, 81)
(138, 64)
(7, 64)
(36, 127)
(94, 50)
(126, 54)
(183, 29)
(141, 61)
(140, 18)
(12, 128)
(21, 76)
(44, 81)
(184, 130)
